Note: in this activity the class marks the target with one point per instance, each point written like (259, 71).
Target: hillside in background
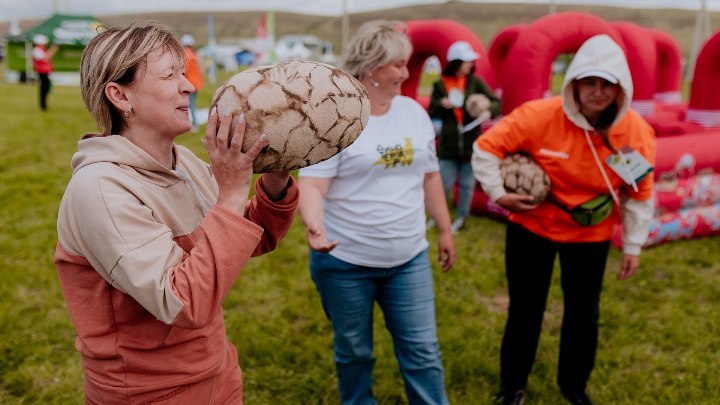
(486, 20)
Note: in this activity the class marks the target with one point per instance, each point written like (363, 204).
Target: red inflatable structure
(518, 65)
(434, 38)
(527, 64)
(669, 68)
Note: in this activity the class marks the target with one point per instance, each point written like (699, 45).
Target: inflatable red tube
(669, 68)
(499, 49)
(529, 61)
(704, 104)
(434, 37)
(641, 54)
(686, 155)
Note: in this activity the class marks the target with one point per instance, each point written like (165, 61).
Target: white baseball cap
(187, 40)
(461, 50)
(597, 73)
(40, 39)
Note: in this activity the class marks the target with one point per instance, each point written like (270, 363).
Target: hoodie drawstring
(602, 170)
(204, 203)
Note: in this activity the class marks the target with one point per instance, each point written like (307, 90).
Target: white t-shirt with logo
(375, 205)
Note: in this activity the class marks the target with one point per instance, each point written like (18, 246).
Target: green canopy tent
(70, 32)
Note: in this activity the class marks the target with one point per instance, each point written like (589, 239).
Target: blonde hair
(117, 55)
(375, 44)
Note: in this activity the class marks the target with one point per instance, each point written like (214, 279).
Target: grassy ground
(659, 335)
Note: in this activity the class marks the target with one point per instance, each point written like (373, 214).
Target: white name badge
(456, 97)
(630, 165)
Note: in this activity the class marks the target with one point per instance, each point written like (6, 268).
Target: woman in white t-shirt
(364, 210)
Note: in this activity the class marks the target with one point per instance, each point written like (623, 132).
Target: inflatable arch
(669, 68)
(704, 104)
(499, 50)
(434, 37)
(669, 115)
(642, 61)
(653, 57)
(526, 69)
(702, 113)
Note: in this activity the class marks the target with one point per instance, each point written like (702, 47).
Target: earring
(127, 112)
(375, 83)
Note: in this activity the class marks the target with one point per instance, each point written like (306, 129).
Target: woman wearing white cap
(460, 100)
(598, 154)
(42, 63)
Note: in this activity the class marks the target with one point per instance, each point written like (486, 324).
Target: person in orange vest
(598, 153)
(449, 103)
(193, 73)
(42, 63)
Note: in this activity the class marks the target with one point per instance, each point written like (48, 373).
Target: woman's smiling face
(391, 76)
(160, 95)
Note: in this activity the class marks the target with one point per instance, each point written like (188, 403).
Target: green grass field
(660, 333)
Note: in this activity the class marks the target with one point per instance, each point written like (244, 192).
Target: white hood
(598, 54)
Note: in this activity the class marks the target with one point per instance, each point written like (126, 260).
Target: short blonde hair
(375, 44)
(117, 55)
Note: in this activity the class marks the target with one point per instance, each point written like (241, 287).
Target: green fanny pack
(591, 212)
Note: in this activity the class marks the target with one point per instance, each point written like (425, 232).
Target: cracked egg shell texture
(310, 111)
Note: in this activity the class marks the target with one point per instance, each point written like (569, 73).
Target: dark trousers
(44, 89)
(529, 261)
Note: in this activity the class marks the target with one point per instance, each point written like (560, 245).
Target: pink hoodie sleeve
(223, 244)
(275, 217)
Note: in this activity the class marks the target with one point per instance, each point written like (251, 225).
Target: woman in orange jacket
(593, 148)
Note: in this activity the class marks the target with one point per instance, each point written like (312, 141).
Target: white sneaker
(457, 225)
(430, 224)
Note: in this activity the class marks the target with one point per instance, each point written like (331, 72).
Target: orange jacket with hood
(553, 132)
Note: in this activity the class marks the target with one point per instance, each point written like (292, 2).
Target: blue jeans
(459, 170)
(405, 295)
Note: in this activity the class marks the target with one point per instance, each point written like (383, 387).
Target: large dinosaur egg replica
(309, 112)
(523, 175)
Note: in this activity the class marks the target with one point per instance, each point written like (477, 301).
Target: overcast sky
(23, 9)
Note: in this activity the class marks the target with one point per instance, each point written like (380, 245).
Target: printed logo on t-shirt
(390, 156)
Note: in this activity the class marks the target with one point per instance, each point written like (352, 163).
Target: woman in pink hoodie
(150, 238)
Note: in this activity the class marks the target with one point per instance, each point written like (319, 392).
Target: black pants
(44, 89)
(529, 261)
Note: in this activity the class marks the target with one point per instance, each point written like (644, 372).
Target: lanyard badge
(630, 165)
